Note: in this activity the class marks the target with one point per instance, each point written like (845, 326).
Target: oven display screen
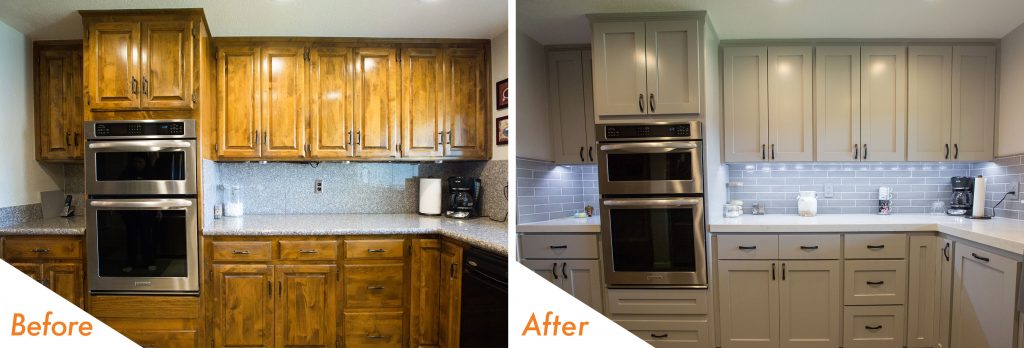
(136, 129)
(647, 131)
(142, 243)
(653, 240)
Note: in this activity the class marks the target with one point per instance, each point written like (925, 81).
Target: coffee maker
(962, 201)
(463, 197)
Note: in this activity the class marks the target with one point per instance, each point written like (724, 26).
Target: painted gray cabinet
(571, 104)
(570, 261)
(984, 298)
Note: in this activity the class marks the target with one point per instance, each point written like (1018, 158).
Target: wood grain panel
(466, 102)
(450, 288)
(374, 285)
(376, 105)
(157, 333)
(32, 269)
(53, 112)
(113, 64)
(243, 312)
(167, 65)
(331, 92)
(424, 306)
(306, 307)
(284, 102)
(66, 280)
(241, 250)
(422, 107)
(374, 249)
(138, 307)
(31, 248)
(238, 103)
(308, 250)
(375, 329)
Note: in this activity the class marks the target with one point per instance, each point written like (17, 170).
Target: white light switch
(829, 190)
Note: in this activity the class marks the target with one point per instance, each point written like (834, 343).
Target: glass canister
(807, 203)
(234, 206)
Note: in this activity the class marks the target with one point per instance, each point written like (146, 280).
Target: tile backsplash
(548, 191)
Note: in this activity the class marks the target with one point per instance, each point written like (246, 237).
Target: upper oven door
(143, 245)
(141, 167)
(651, 167)
(654, 241)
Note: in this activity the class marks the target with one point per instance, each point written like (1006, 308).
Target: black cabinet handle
(450, 139)
(135, 85)
(762, 153)
(876, 283)
(581, 154)
(748, 247)
(641, 102)
(651, 102)
(773, 152)
(865, 151)
(956, 151)
(947, 151)
(659, 335)
(880, 246)
(980, 257)
(876, 327)
(553, 266)
(67, 139)
(945, 251)
(451, 271)
(783, 271)
(145, 86)
(590, 153)
(805, 247)
(856, 151)
(558, 246)
(773, 271)
(440, 137)
(564, 275)
(75, 138)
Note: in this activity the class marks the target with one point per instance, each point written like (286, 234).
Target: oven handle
(652, 202)
(651, 147)
(149, 144)
(164, 204)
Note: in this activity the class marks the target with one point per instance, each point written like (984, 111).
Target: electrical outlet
(829, 190)
(318, 186)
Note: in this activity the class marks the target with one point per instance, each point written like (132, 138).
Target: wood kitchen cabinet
(451, 295)
(425, 300)
(54, 262)
(984, 298)
(151, 321)
(467, 99)
(306, 305)
(239, 120)
(645, 67)
(58, 101)
(423, 114)
(242, 305)
(283, 97)
(571, 103)
(376, 102)
(331, 102)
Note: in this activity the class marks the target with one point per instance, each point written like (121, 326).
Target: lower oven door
(654, 241)
(143, 245)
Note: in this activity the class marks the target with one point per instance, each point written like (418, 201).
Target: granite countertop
(1003, 234)
(74, 225)
(479, 232)
(563, 225)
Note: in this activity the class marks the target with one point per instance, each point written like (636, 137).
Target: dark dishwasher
(484, 321)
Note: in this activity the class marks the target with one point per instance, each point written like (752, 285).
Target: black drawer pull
(659, 335)
(374, 250)
(876, 283)
(41, 250)
(876, 327)
(880, 246)
(812, 247)
(748, 247)
(553, 266)
(979, 257)
(558, 246)
(240, 252)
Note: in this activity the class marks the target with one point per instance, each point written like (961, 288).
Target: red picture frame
(501, 94)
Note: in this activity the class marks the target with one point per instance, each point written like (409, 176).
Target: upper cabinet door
(588, 105)
(745, 86)
(465, 92)
(883, 103)
(790, 113)
(568, 107)
(113, 78)
(238, 103)
(307, 305)
(620, 69)
(974, 100)
(672, 71)
(331, 83)
(284, 102)
(423, 132)
(167, 65)
(928, 109)
(376, 102)
(837, 93)
(53, 92)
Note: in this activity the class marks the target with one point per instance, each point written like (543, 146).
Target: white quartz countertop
(563, 225)
(74, 225)
(1003, 234)
(479, 232)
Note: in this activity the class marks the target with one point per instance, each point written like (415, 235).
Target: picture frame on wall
(501, 90)
(501, 125)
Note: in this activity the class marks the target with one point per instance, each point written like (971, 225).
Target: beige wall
(1011, 95)
(499, 71)
(21, 177)
(533, 134)
(717, 171)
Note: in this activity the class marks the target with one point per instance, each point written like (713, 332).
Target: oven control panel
(688, 130)
(129, 129)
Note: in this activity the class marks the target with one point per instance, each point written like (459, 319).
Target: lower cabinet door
(243, 308)
(65, 279)
(748, 296)
(582, 280)
(810, 304)
(374, 329)
(927, 310)
(874, 327)
(547, 269)
(984, 298)
(32, 269)
(306, 305)
(450, 318)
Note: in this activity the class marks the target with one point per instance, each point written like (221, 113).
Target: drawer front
(370, 249)
(241, 251)
(630, 301)
(873, 327)
(162, 339)
(32, 248)
(308, 250)
(559, 246)
(809, 247)
(378, 329)
(875, 282)
(374, 286)
(670, 333)
(748, 247)
(876, 246)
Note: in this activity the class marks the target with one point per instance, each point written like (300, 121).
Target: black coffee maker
(962, 201)
(463, 197)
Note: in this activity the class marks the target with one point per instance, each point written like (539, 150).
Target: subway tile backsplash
(549, 191)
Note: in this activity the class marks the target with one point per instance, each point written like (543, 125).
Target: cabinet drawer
(630, 301)
(241, 251)
(378, 329)
(162, 339)
(32, 248)
(875, 246)
(875, 282)
(559, 246)
(310, 250)
(669, 333)
(373, 286)
(746, 247)
(873, 327)
(809, 247)
(374, 249)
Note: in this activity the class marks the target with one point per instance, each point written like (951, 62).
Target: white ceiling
(475, 19)
(563, 21)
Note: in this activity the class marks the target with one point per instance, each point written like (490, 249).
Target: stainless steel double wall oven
(652, 204)
(142, 225)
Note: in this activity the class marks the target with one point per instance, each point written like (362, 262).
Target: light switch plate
(829, 190)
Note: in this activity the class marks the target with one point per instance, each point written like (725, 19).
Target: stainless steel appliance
(962, 200)
(463, 197)
(652, 204)
(484, 309)
(141, 214)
